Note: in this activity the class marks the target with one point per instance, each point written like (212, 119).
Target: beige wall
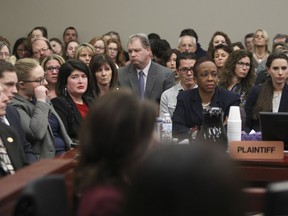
(166, 17)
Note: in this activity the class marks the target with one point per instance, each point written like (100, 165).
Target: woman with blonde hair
(42, 125)
(261, 50)
(84, 53)
(51, 65)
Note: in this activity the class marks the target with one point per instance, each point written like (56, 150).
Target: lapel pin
(10, 139)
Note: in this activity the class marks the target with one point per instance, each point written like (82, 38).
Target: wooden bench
(11, 186)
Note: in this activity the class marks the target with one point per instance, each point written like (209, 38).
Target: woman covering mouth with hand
(43, 127)
(51, 66)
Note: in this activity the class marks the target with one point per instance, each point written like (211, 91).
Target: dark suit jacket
(200, 52)
(158, 80)
(251, 101)
(69, 114)
(14, 120)
(13, 146)
(188, 112)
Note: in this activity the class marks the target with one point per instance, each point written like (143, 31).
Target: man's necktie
(141, 84)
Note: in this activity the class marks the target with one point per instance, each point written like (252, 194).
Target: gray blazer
(34, 120)
(158, 80)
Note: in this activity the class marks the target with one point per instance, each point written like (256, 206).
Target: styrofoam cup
(234, 113)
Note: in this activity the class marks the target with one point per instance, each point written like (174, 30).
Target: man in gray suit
(144, 77)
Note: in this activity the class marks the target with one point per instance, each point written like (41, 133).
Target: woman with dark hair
(237, 46)
(112, 140)
(74, 88)
(57, 46)
(191, 103)
(272, 95)
(104, 74)
(37, 32)
(238, 74)
(218, 38)
(220, 54)
(185, 180)
(22, 48)
(70, 49)
(169, 59)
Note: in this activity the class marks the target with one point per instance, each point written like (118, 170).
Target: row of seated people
(76, 84)
(110, 44)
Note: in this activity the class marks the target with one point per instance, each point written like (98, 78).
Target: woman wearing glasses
(5, 52)
(99, 44)
(238, 74)
(42, 125)
(272, 95)
(22, 48)
(190, 104)
(51, 66)
(115, 51)
(74, 89)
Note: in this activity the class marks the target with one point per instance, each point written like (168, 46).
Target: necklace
(259, 58)
(206, 105)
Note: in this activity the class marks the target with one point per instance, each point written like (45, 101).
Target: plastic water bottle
(167, 137)
(158, 129)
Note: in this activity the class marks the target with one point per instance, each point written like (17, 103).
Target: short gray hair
(142, 37)
(193, 39)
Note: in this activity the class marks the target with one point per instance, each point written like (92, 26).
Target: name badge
(263, 150)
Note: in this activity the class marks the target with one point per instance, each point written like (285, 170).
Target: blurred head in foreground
(185, 180)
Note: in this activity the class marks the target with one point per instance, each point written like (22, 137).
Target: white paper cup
(234, 113)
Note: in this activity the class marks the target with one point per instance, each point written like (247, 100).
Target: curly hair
(228, 71)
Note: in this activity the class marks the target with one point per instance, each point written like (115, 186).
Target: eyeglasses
(51, 69)
(4, 54)
(43, 50)
(100, 48)
(40, 81)
(185, 69)
(242, 64)
(113, 49)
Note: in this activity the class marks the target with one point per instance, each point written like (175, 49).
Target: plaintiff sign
(256, 150)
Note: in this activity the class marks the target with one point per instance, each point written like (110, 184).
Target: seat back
(277, 199)
(45, 196)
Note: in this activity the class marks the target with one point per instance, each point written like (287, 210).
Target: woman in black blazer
(74, 95)
(188, 116)
(272, 96)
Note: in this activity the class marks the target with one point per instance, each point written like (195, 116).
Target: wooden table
(263, 172)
